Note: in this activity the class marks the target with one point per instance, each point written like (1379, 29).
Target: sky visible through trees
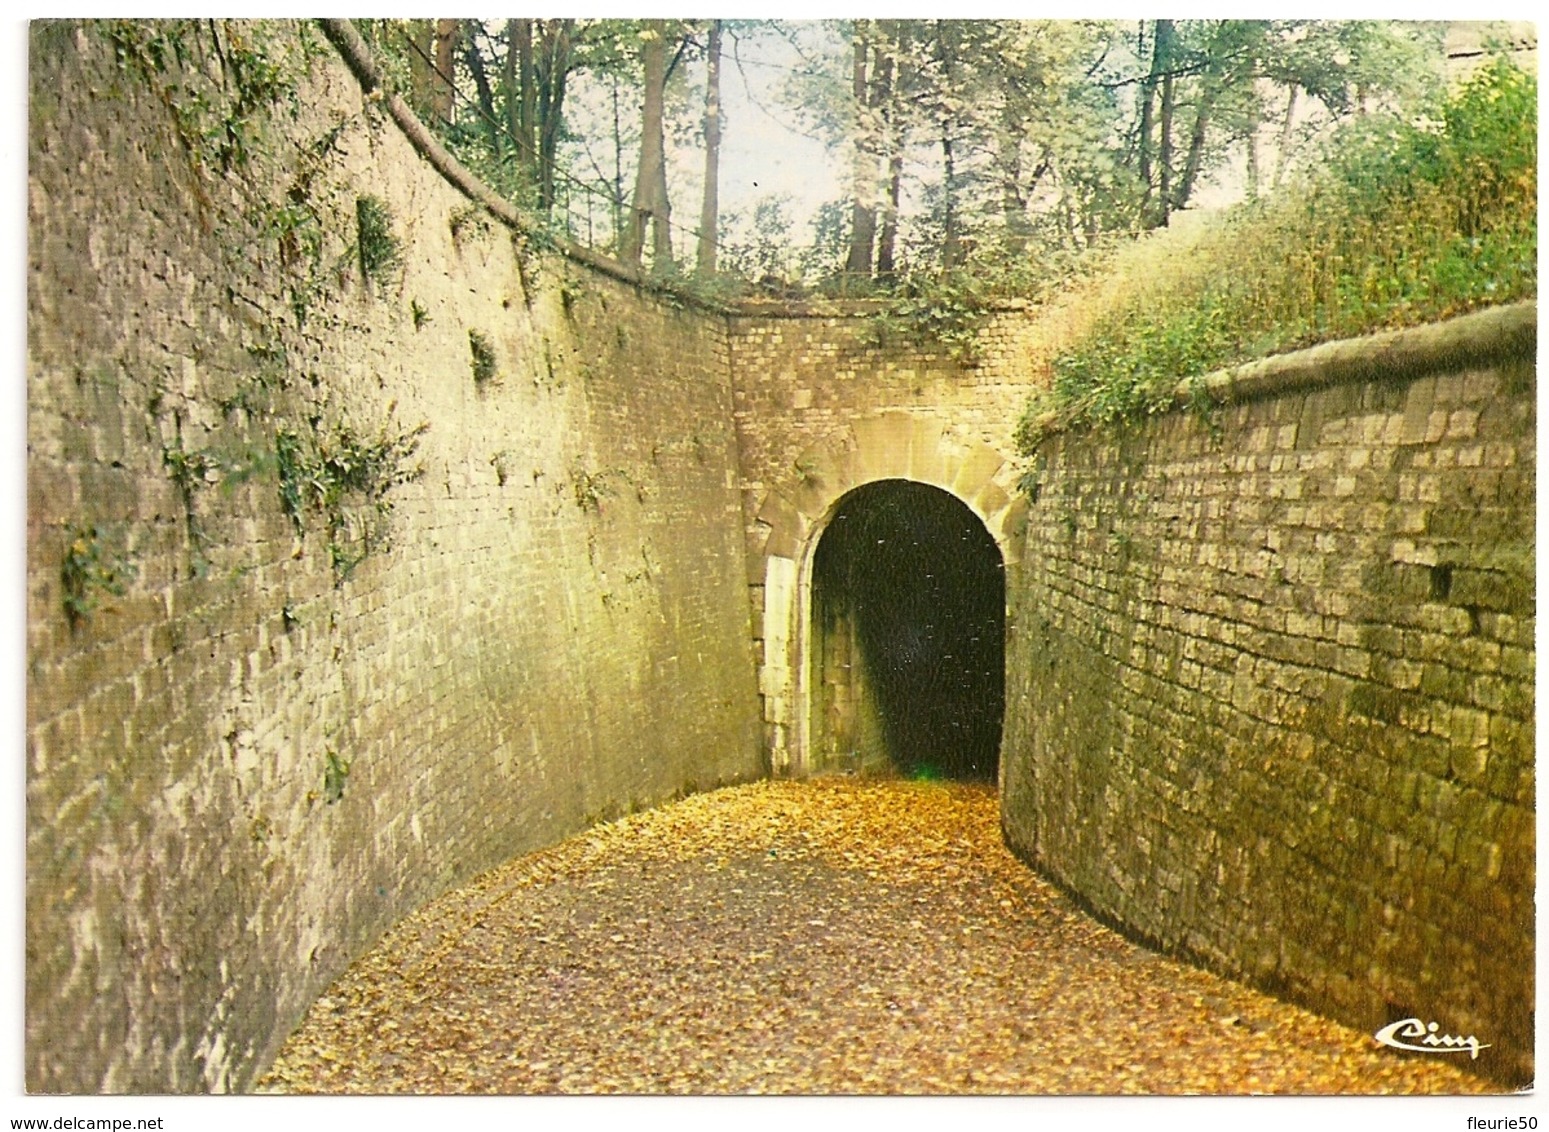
(869, 150)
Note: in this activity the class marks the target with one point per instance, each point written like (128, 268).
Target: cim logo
(1429, 1040)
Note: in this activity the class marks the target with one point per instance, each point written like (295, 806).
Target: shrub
(1402, 223)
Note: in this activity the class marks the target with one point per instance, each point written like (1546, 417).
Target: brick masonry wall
(247, 765)
(1270, 688)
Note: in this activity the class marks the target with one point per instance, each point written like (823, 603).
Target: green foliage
(216, 78)
(346, 477)
(482, 352)
(223, 82)
(89, 570)
(945, 310)
(1401, 224)
(418, 312)
(379, 250)
(336, 772)
(292, 464)
(190, 471)
(471, 222)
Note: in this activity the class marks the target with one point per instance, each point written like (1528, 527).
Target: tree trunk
(951, 245)
(1013, 202)
(422, 82)
(1283, 154)
(863, 170)
(1196, 155)
(486, 94)
(709, 210)
(1253, 163)
(887, 240)
(951, 237)
(619, 227)
(1147, 123)
(650, 202)
(521, 94)
(1164, 142)
(446, 47)
(553, 70)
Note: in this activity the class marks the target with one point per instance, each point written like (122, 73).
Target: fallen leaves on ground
(831, 936)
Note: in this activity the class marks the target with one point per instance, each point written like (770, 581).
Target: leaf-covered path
(822, 937)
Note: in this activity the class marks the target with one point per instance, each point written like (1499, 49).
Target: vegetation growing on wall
(222, 82)
(1403, 224)
(336, 773)
(379, 250)
(984, 143)
(346, 477)
(945, 310)
(217, 78)
(482, 358)
(191, 472)
(90, 570)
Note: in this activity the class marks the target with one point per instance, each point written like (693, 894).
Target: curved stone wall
(1270, 679)
(287, 679)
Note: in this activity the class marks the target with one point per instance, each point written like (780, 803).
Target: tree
(540, 55)
(709, 212)
(866, 61)
(444, 80)
(650, 204)
(981, 144)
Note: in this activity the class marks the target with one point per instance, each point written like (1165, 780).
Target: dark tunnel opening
(909, 600)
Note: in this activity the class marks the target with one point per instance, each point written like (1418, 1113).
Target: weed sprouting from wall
(482, 351)
(89, 571)
(336, 772)
(379, 250)
(346, 477)
(191, 472)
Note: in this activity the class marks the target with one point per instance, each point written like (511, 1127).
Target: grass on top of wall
(1401, 223)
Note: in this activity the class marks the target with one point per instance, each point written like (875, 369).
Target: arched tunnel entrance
(907, 637)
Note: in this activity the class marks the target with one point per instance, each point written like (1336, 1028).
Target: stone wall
(330, 688)
(1270, 680)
